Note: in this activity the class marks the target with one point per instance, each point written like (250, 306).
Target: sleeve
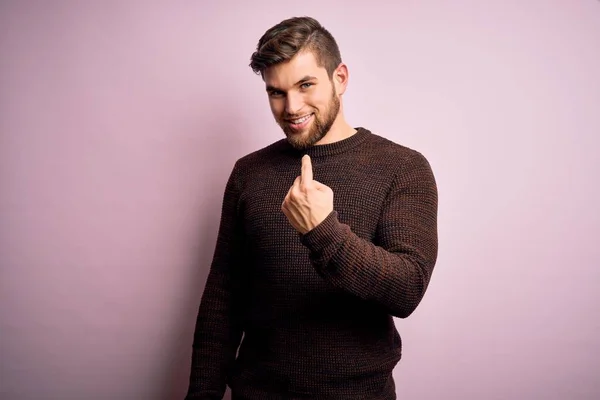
(218, 332)
(395, 271)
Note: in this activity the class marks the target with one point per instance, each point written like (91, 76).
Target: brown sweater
(316, 310)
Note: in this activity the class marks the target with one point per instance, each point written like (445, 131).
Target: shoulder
(407, 168)
(393, 155)
(263, 156)
(261, 164)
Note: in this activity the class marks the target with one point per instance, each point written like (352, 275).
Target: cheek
(321, 100)
(276, 107)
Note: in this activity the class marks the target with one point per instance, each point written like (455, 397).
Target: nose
(293, 103)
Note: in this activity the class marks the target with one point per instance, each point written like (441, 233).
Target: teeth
(300, 120)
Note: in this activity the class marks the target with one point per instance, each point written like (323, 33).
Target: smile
(299, 123)
(300, 120)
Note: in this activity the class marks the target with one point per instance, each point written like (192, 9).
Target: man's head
(301, 65)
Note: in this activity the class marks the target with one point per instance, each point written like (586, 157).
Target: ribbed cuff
(328, 234)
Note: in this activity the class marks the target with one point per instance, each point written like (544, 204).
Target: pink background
(120, 121)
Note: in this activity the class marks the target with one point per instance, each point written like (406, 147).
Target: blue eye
(306, 85)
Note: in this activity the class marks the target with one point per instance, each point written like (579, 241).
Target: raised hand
(308, 202)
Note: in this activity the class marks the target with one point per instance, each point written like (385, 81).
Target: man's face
(303, 99)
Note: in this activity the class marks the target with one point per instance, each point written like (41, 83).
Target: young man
(325, 236)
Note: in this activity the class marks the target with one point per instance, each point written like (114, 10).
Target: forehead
(287, 74)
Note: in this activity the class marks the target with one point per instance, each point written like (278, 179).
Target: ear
(340, 78)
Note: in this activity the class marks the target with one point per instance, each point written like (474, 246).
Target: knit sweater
(316, 310)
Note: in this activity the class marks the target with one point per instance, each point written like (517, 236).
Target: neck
(340, 130)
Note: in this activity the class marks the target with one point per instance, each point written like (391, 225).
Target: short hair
(283, 41)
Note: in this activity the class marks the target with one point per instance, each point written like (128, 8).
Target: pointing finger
(307, 171)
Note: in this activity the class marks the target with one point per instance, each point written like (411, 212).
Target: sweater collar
(341, 146)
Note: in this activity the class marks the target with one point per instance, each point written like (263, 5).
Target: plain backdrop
(121, 120)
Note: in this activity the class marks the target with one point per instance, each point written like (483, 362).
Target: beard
(317, 129)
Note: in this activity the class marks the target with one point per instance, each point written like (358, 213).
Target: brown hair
(291, 36)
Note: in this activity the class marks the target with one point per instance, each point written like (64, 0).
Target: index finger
(306, 172)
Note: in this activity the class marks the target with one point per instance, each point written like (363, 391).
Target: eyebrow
(300, 82)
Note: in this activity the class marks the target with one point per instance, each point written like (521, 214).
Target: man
(325, 236)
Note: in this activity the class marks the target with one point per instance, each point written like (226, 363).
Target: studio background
(121, 120)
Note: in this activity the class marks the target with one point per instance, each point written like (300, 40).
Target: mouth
(299, 123)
